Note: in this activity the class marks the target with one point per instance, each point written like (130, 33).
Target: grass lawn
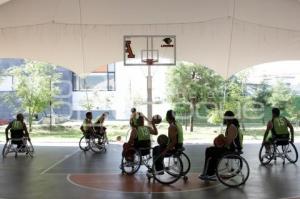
(71, 133)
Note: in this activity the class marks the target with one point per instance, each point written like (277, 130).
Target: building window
(102, 79)
(6, 83)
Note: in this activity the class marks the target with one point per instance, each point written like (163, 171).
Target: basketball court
(225, 36)
(66, 172)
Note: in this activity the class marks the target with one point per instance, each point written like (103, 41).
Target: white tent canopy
(224, 35)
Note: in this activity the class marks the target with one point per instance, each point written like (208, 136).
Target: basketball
(156, 119)
(219, 141)
(119, 138)
(163, 140)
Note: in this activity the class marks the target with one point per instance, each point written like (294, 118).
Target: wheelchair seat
(144, 151)
(180, 150)
(281, 141)
(238, 152)
(143, 146)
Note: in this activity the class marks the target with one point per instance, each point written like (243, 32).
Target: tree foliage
(189, 84)
(282, 96)
(261, 96)
(236, 99)
(36, 87)
(262, 93)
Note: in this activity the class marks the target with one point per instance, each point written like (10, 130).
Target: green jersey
(143, 133)
(86, 124)
(179, 132)
(280, 126)
(17, 125)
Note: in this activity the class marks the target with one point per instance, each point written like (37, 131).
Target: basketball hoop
(149, 50)
(149, 62)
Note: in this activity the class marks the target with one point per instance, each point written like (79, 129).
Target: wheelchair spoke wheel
(172, 170)
(96, 145)
(5, 149)
(233, 170)
(132, 163)
(29, 148)
(266, 156)
(290, 152)
(84, 144)
(186, 163)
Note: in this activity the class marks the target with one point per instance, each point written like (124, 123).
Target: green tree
(261, 96)
(285, 99)
(36, 87)
(282, 96)
(190, 84)
(237, 97)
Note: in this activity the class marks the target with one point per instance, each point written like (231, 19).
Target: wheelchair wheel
(96, 145)
(232, 170)
(130, 165)
(6, 149)
(264, 156)
(29, 148)
(186, 163)
(290, 152)
(84, 144)
(172, 170)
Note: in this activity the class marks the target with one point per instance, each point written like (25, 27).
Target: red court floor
(67, 172)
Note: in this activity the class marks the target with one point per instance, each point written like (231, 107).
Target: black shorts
(17, 134)
(143, 144)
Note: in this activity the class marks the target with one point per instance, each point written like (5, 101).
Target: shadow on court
(66, 172)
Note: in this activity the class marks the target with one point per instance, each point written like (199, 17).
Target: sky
(284, 70)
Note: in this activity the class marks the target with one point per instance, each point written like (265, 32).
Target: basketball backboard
(149, 50)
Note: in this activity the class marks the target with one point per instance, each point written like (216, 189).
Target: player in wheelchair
(139, 141)
(100, 129)
(282, 134)
(169, 145)
(19, 141)
(223, 161)
(90, 139)
(87, 127)
(134, 116)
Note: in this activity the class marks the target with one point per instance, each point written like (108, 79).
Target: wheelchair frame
(286, 147)
(10, 147)
(89, 142)
(228, 174)
(140, 159)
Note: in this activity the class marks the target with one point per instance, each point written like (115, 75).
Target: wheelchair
(94, 142)
(232, 169)
(186, 162)
(279, 148)
(11, 146)
(173, 166)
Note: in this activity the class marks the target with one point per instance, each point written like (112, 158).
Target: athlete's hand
(152, 122)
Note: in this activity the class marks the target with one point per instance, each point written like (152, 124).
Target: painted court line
(136, 192)
(295, 197)
(58, 162)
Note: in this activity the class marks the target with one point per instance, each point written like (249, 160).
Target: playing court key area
(66, 172)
